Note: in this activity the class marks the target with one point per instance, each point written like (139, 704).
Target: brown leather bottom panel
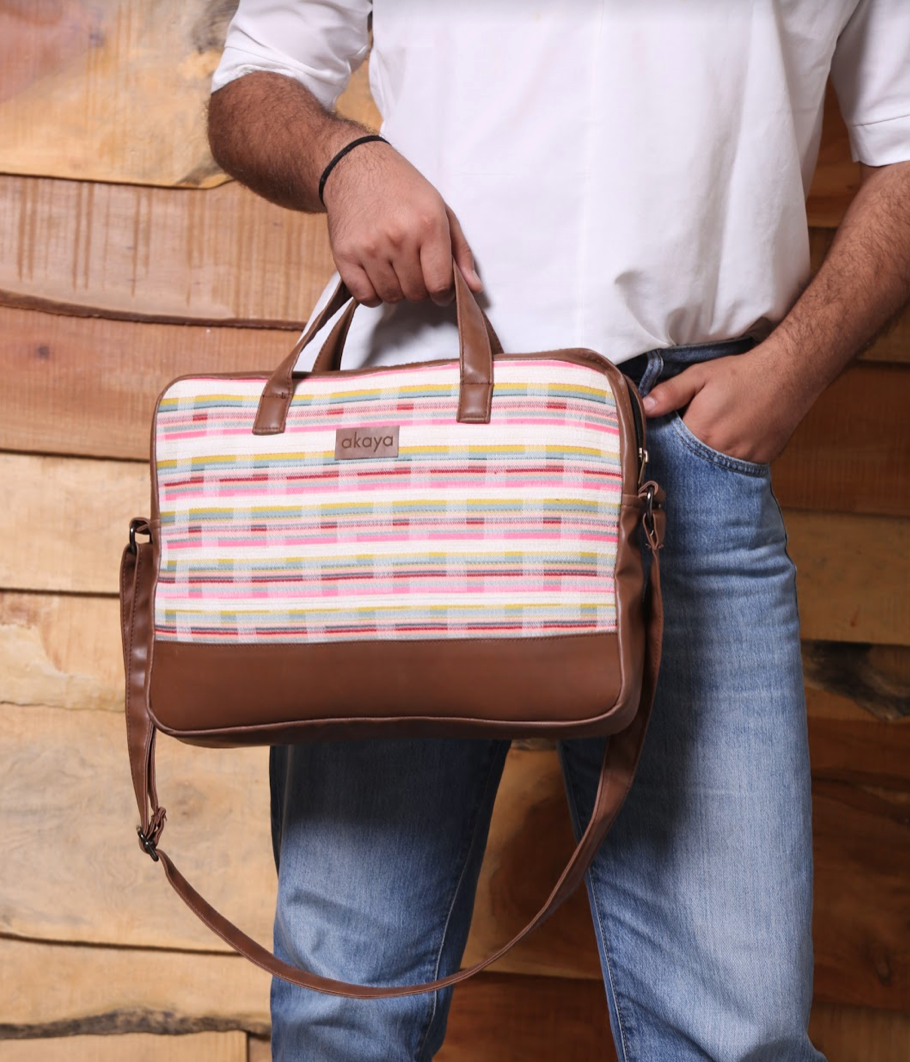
(275, 694)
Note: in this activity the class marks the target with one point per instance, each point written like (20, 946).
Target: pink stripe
(606, 486)
(422, 535)
(593, 588)
(300, 634)
(298, 429)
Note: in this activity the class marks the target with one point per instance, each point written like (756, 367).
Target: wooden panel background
(114, 282)
(128, 83)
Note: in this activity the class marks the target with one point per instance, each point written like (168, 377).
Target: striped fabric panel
(505, 529)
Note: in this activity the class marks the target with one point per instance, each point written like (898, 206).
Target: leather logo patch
(366, 442)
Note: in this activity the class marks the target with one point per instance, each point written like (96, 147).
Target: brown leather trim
(475, 357)
(137, 577)
(505, 686)
(628, 580)
(278, 391)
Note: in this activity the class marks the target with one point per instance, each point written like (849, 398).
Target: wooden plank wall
(108, 290)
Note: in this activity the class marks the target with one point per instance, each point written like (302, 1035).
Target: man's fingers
(436, 263)
(409, 270)
(674, 393)
(461, 252)
(358, 284)
(384, 280)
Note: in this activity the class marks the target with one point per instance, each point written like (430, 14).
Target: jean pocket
(716, 457)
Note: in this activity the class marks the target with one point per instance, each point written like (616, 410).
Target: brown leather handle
(620, 761)
(476, 340)
(329, 359)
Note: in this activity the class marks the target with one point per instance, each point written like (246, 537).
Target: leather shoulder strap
(618, 767)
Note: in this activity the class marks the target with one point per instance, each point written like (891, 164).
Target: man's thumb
(671, 394)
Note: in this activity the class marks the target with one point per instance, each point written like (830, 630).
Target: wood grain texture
(139, 1047)
(63, 62)
(65, 521)
(88, 386)
(862, 947)
(852, 576)
(852, 452)
(61, 652)
(224, 256)
(859, 1034)
(172, 992)
(161, 254)
(116, 91)
(847, 745)
(66, 774)
(535, 1019)
(108, 991)
(875, 678)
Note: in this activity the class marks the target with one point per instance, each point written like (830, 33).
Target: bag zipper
(639, 430)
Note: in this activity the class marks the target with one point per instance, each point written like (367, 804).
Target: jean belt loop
(652, 372)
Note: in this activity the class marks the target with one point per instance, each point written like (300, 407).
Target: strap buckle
(652, 504)
(138, 526)
(148, 842)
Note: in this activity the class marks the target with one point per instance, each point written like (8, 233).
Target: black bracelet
(341, 154)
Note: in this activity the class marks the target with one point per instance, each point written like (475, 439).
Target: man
(631, 178)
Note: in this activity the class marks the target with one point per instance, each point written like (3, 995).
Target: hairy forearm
(273, 135)
(862, 284)
(392, 235)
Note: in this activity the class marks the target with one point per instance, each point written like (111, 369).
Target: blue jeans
(701, 895)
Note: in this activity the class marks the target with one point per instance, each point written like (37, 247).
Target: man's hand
(392, 235)
(748, 405)
(745, 405)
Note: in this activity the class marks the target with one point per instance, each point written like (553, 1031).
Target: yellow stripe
(222, 613)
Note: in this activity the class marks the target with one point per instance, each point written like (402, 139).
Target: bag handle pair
(477, 344)
(621, 755)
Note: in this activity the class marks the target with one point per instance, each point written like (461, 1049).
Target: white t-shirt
(628, 175)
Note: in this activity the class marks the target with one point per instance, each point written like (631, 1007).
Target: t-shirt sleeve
(871, 75)
(319, 43)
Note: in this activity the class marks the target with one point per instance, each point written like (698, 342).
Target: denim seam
(472, 835)
(572, 796)
(786, 535)
(755, 469)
